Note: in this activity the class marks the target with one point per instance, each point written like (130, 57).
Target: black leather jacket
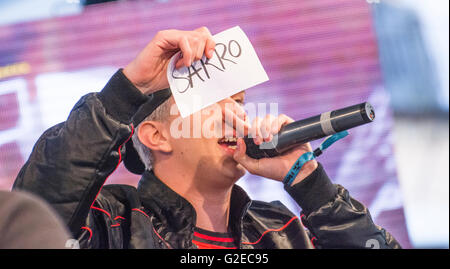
(71, 161)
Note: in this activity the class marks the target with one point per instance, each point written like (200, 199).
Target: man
(186, 197)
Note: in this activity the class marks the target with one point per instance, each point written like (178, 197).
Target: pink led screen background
(319, 54)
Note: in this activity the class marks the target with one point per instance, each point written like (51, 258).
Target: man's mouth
(228, 142)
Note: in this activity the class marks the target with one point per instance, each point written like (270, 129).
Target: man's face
(209, 150)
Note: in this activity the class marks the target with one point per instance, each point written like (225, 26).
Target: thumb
(242, 158)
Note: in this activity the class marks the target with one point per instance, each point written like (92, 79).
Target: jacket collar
(176, 217)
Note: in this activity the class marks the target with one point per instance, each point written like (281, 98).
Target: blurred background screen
(319, 54)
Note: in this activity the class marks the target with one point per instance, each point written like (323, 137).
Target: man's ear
(152, 135)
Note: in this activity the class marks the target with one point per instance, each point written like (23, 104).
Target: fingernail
(210, 53)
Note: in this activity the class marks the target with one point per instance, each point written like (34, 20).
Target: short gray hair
(160, 114)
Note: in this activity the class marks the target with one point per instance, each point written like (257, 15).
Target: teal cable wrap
(308, 156)
(331, 139)
(295, 169)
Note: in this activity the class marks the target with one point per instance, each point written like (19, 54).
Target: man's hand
(148, 70)
(275, 168)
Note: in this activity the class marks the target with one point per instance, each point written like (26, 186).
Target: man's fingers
(279, 122)
(263, 130)
(180, 62)
(203, 30)
(210, 45)
(194, 45)
(265, 127)
(186, 52)
(200, 44)
(256, 131)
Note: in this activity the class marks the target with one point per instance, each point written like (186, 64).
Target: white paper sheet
(233, 68)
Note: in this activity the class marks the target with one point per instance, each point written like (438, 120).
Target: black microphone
(313, 128)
